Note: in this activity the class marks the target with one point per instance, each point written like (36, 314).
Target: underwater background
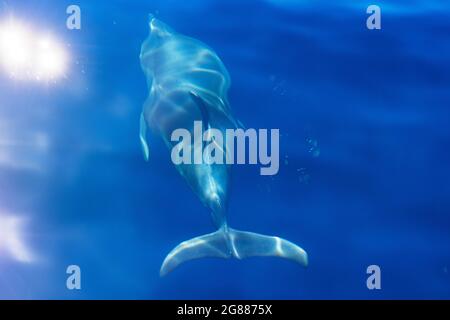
(364, 153)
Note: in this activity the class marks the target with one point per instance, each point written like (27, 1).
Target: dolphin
(188, 82)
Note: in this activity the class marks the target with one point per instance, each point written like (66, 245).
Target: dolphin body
(188, 82)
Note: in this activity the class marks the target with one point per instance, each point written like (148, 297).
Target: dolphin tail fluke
(209, 245)
(227, 243)
(249, 244)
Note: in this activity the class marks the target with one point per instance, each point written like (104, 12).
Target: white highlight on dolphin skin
(11, 239)
(216, 151)
(26, 55)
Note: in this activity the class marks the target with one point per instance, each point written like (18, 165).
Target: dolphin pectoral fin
(143, 137)
(227, 242)
(209, 245)
(201, 104)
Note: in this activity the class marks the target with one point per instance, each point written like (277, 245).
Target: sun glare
(26, 55)
(11, 239)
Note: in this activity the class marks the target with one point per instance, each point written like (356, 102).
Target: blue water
(365, 162)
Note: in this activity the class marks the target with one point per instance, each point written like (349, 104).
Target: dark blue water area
(364, 153)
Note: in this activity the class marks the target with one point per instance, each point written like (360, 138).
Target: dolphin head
(159, 33)
(159, 28)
